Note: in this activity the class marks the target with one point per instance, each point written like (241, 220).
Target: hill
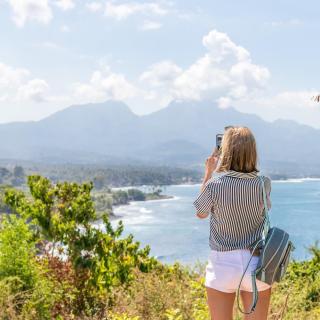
(181, 134)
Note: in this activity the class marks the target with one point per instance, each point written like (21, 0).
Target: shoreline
(115, 216)
(292, 179)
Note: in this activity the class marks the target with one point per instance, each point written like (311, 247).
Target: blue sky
(258, 56)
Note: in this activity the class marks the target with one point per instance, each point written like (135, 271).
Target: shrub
(100, 258)
(25, 289)
(17, 251)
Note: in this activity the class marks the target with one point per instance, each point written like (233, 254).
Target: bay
(174, 233)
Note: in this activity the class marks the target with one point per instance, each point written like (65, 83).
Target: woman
(231, 194)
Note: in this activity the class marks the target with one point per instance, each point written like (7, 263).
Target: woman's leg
(220, 304)
(261, 311)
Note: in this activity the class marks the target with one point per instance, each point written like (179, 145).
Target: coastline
(115, 216)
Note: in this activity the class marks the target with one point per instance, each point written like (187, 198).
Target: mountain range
(182, 134)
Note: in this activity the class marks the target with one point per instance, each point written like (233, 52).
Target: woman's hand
(211, 165)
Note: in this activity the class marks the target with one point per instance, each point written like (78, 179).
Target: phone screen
(219, 137)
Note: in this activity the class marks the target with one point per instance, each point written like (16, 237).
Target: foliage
(122, 316)
(23, 284)
(103, 202)
(116, 175)
(178, 293)
(18, 176)
(11, 297)
(298, 296)
(136, 195)
(15, 177)
(17, 251)
(120, 197)
(4, 208)
(159, 294)
(63, 214)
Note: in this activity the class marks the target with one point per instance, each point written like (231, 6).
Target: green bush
(63, 214)
(298, 295)
(25, 289)
(17, 251)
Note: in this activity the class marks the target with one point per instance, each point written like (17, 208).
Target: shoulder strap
(266, 210)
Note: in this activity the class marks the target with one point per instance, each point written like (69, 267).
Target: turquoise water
(175, 234)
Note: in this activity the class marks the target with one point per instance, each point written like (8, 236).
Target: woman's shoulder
(267, 182)
(266, 178)
(217, 176)
(215, 179)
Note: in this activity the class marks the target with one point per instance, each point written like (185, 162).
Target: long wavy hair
(238, 151)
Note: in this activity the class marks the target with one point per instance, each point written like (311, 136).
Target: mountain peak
(110, 129)
(85, 112)
(102, 106)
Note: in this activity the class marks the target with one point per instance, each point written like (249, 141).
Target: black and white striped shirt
(235, 203)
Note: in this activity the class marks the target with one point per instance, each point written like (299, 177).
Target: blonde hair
(238, 151)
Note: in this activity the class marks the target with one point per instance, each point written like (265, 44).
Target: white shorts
(225, 268)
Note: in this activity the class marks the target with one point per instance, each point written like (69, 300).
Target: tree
(63, 214)
(316, 98)
(18, 172)
(18, 176)
(136, 195)
(99, 182)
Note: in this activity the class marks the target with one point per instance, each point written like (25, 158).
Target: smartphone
(219, 137)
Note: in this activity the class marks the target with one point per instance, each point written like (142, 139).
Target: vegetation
(54, 264)
(59, 225)
(117, 175)
(14, 177)
(106, 199)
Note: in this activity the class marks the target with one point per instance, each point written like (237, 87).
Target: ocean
(174, 233)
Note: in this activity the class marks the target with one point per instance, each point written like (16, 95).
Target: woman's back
(237, 215)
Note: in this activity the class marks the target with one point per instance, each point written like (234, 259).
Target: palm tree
(316, 98)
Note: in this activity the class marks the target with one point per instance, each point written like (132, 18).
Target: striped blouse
(235, 203)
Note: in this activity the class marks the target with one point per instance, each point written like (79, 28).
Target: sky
(259, 57)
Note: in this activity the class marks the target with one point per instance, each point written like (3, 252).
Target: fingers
(211, 159)
(215, 152)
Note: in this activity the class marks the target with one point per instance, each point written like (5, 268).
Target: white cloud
(150, 25)
(161, 74)
(221, 47)
(35, 90)
(292, 100)
(124, 10)
(17, 84)
(65, 4)
(11, 77)
(225, 71)
(105, 85)
(94, 6)
(202, 80)
(36, 10)
(248, 76)
(224, 102)
(33, 10)
(294, 105)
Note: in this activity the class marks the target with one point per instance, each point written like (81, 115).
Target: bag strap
(254, 284)
(266, 227)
